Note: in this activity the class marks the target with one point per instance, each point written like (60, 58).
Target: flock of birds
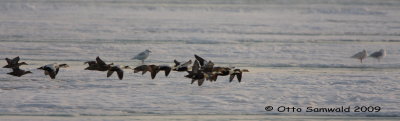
(363, 55)
(200, 71)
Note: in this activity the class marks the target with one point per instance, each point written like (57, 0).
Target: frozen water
(298, 53)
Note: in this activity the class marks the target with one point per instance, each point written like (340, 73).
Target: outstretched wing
(15, 60)
(177, 63)
(154, 70)
(109, 73)
(52, 74)
(167, 69)
(99, 61)
(200, 81)
(8, 61)
(195, 68)
(239, 76)
(201, 60)
(231, 77)
(120, 74)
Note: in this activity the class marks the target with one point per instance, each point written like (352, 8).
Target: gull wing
(376, 54)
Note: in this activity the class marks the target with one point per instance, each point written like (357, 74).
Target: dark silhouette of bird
(18, 72)
(12, 63)
(98, 65)
(118, 69)
(153, 69)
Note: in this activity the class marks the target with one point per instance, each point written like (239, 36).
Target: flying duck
(181, 67)
(12, 63)
(142, 56)
(196, 74)
(98, 65)
(52, 69)
(219, 71)
(153, 69)
(204, 65)
(117, 69)
(18, 72)
(237, 73)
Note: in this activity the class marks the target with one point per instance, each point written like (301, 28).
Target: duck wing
(99, 61)
(15, 60)
(109, 73)
(201, 60)
(166, 69)
(200, 82)
(52, 74)
(196, 67)
(231, 77)
(90, 63)
(177, 63)
(51, 71)
(239, 76)
(120, 73)
(8, 61)
(154, 70)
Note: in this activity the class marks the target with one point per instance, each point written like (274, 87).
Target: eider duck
(219, 71)
(142, 56)
(153, 69)
(360, 55)
(196, 74)
(117, 69)
(18, 72)
(182, 67)
(52, 69)
(12, 63)
(237, 73)
(378, 54)
(204, 65)
(98, 65)
(141, 68)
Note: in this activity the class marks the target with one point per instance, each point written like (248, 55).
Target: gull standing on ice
(378, 54)
(360, 55)
(142, 56)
